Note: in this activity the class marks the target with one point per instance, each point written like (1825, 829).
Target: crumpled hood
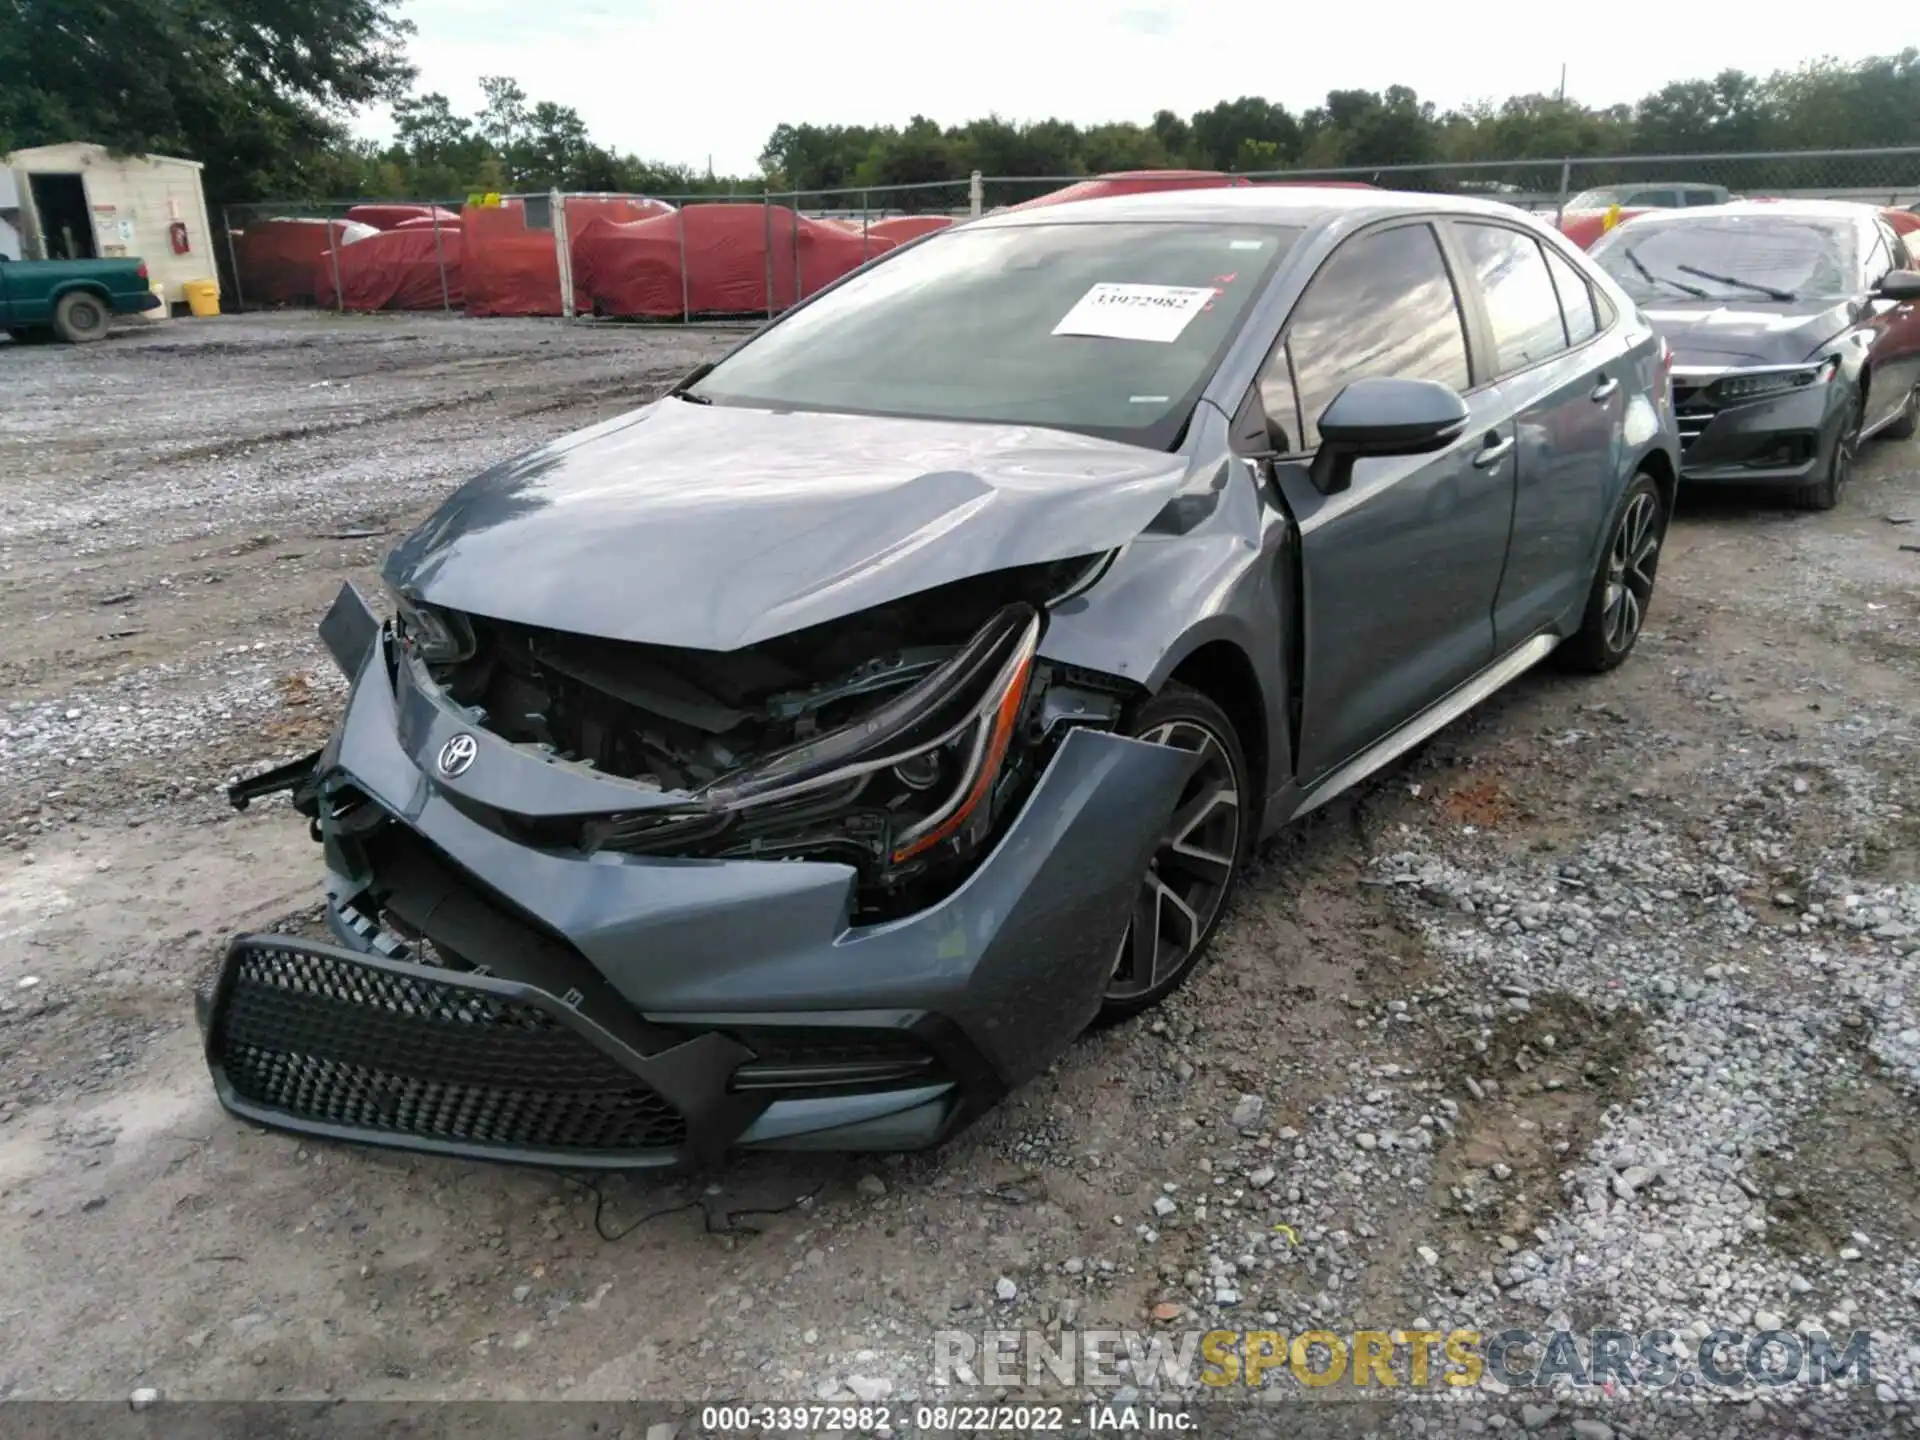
(1734, 333)
(715, 527)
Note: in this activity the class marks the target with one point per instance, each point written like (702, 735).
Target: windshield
(1755, 258)
(1594, 200)
(1110, 329)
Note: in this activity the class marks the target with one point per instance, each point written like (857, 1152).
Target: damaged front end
(609, 903)
(894, 742)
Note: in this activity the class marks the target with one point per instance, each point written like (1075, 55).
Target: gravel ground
(1598, 1011)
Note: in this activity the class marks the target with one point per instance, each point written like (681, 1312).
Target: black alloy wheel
(1197, 861)
(1631, 562)
(1907, 421)
(1623, 587)
(1825, 492)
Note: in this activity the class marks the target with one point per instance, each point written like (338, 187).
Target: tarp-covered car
(804, 759)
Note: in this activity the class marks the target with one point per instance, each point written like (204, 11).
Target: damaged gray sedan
(804, 759)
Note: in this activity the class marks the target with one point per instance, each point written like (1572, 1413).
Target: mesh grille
(328, 1038)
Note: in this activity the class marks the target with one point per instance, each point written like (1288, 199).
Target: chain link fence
(742, 259)
(1889, 177)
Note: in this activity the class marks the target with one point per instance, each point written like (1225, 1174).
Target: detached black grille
(382, 1046)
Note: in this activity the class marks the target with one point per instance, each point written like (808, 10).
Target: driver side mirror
(1383, 416)
(1898, 285)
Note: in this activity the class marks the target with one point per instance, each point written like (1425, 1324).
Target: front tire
(1825, 492)
(1908, 420)
(1198, 860)
(80, 318)
(1623, 586)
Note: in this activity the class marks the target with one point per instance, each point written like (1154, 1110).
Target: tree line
(261, 92)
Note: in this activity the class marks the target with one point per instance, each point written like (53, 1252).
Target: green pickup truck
(73, 299)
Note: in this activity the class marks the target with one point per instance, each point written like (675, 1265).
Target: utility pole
(1563, 82)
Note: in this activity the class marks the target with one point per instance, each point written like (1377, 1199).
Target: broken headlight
(439, 637)
(906, 777)
(967, 708)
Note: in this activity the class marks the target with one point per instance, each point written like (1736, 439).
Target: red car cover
(634, 269)
(1583, 227)
(902, 228)
(395, 270)
(274, 260)
(511, 270)
(1132, 182)
(392, 217)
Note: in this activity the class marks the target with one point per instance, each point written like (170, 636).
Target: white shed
(79, 200)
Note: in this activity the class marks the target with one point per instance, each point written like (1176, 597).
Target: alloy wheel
(1630, 570)
(1846, 450)
(1192, 866)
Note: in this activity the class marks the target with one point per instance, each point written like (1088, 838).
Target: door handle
(1604, 390)
(1492, 453)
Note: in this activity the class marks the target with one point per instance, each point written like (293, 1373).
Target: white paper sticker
(1135, 312)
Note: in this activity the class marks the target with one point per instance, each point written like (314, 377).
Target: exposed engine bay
(893, 741)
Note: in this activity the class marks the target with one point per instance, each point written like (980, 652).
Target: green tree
(254, 89)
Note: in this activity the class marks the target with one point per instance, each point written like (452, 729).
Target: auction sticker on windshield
(1135, 312)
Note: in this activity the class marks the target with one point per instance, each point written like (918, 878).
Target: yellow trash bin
(203, 296)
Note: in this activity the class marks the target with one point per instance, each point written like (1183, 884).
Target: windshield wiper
(1653, 279)
(1771, 292)
(693, 377)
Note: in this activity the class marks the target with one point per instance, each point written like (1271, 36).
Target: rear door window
(1383, 304)
(1521, 301)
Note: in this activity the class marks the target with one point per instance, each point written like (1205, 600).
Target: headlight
(439, 637)
(967, 708)
(1742, 385)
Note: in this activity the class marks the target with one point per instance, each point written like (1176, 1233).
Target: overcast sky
(679, 80)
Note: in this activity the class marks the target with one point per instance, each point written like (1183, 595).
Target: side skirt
(1428, 722)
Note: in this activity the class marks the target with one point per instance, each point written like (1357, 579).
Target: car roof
(1786, 209)
(1308, 206)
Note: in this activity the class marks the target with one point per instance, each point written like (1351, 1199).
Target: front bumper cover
(717, 986)
(1776, 440)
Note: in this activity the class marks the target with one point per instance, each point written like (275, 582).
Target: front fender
(1164, 598)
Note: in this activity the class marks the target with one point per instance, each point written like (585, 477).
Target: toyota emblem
(456, 756)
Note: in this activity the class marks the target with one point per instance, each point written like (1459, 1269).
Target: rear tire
(1825, 492)
(1908, 421)
(80, 318)
(1198, 861)
(1623, 585)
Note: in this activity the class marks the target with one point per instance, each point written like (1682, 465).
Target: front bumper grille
(1692, 411)
(368, 1048)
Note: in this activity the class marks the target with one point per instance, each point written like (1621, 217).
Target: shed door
(66, 224)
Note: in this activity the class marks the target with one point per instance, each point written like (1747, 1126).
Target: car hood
(714, 527)
(1722, 333)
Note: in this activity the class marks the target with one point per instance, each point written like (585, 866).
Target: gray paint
(1017, 956)
(714, 527)
(1427, 581)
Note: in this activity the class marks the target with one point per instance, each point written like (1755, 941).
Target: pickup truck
(74, 299)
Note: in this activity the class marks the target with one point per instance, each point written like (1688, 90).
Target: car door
(1399, 570)
(1894, 352)
(1568, 407)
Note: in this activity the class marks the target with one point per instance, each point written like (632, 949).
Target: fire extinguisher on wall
(177, 237)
